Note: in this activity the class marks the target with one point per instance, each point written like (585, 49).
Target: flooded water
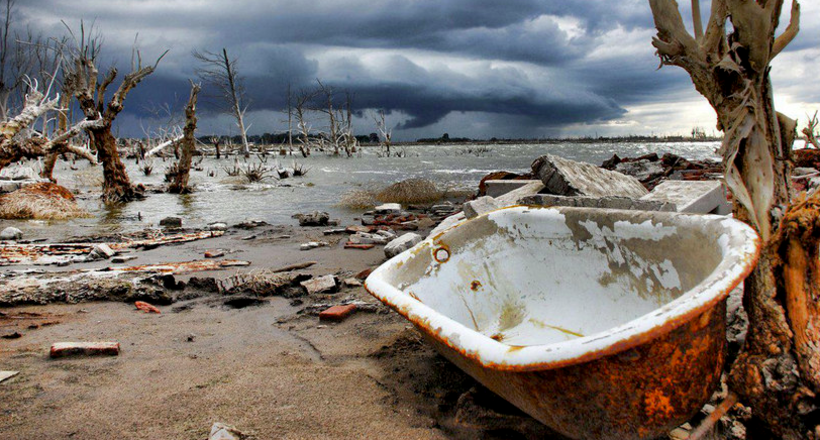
(220, 198)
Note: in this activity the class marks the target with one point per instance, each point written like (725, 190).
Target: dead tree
(220, 72)
(18, 141)
(386, 133)
(215, 140)
(811, 132)
(182, 168)
(301, 110)
(778, 370)
(90, 94)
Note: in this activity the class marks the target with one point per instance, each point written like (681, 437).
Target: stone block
(566, 177)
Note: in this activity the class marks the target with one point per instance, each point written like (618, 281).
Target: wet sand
(272, 370)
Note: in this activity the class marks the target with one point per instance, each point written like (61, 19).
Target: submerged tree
(778, 370)
(90, 89)
(219, 71)
(182, 169)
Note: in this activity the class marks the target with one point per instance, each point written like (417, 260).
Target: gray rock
(388, 208)
(171, 222)
(480, 206)
(217, 227)
(641, 169)
(11, 233)
(315, 218)
(569, 178)
(401, 244)
(325, 284)
(103, 251)
(365, 238)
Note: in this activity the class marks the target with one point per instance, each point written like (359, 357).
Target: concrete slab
(701, 197)
(497, 188)
(566, 177)
(598, 202)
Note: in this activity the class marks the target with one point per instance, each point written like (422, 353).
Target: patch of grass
(358, 199)
(411, 191)
(41, 201)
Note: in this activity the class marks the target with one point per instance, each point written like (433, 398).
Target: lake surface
(219, 198)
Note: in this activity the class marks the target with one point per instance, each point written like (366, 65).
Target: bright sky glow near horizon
(470, 68)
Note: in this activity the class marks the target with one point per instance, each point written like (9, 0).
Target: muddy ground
(271, 369)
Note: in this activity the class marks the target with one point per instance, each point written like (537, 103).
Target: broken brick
(337, 313)
(63, 349)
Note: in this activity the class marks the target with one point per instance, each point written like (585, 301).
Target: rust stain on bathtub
(542, 324)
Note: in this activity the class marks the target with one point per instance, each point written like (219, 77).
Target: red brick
(337, 313)
(63, 349)
(350, 245)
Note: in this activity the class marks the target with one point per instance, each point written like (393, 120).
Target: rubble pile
(651, 169)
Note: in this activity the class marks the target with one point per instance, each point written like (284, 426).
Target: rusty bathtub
(601, 324)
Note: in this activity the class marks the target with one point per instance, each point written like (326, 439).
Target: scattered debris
(401, 244)
(352, 282)
(264, 283)
(64, 349)
(337, 313)
(102, 251)
(44, 254)
(145, 307)
(335, 231)
(359, 246)
(14, 335)
(220, 431)
(313, 245)
(325, 284)
(214, 254)
(6, 375)
(181, 267)
(123, 259)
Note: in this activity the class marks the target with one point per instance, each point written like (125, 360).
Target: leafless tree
(18, 141)
(301, 108)
(386, 133)
(778, 370)
(182, 169)
(220, 72)
(811, 132)
(89, 90)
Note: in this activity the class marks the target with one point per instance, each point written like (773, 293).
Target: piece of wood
(65, 349)
(6, 375)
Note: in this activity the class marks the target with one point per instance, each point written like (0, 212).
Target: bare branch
(790, 33)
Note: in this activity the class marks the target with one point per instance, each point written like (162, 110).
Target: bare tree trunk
(116, 184)
(183, 167)
(778, 370)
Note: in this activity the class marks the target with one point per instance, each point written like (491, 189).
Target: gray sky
(471, 68)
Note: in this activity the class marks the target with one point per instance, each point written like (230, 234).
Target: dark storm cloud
(548, 62)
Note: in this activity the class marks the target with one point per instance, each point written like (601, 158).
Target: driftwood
(778, 371)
